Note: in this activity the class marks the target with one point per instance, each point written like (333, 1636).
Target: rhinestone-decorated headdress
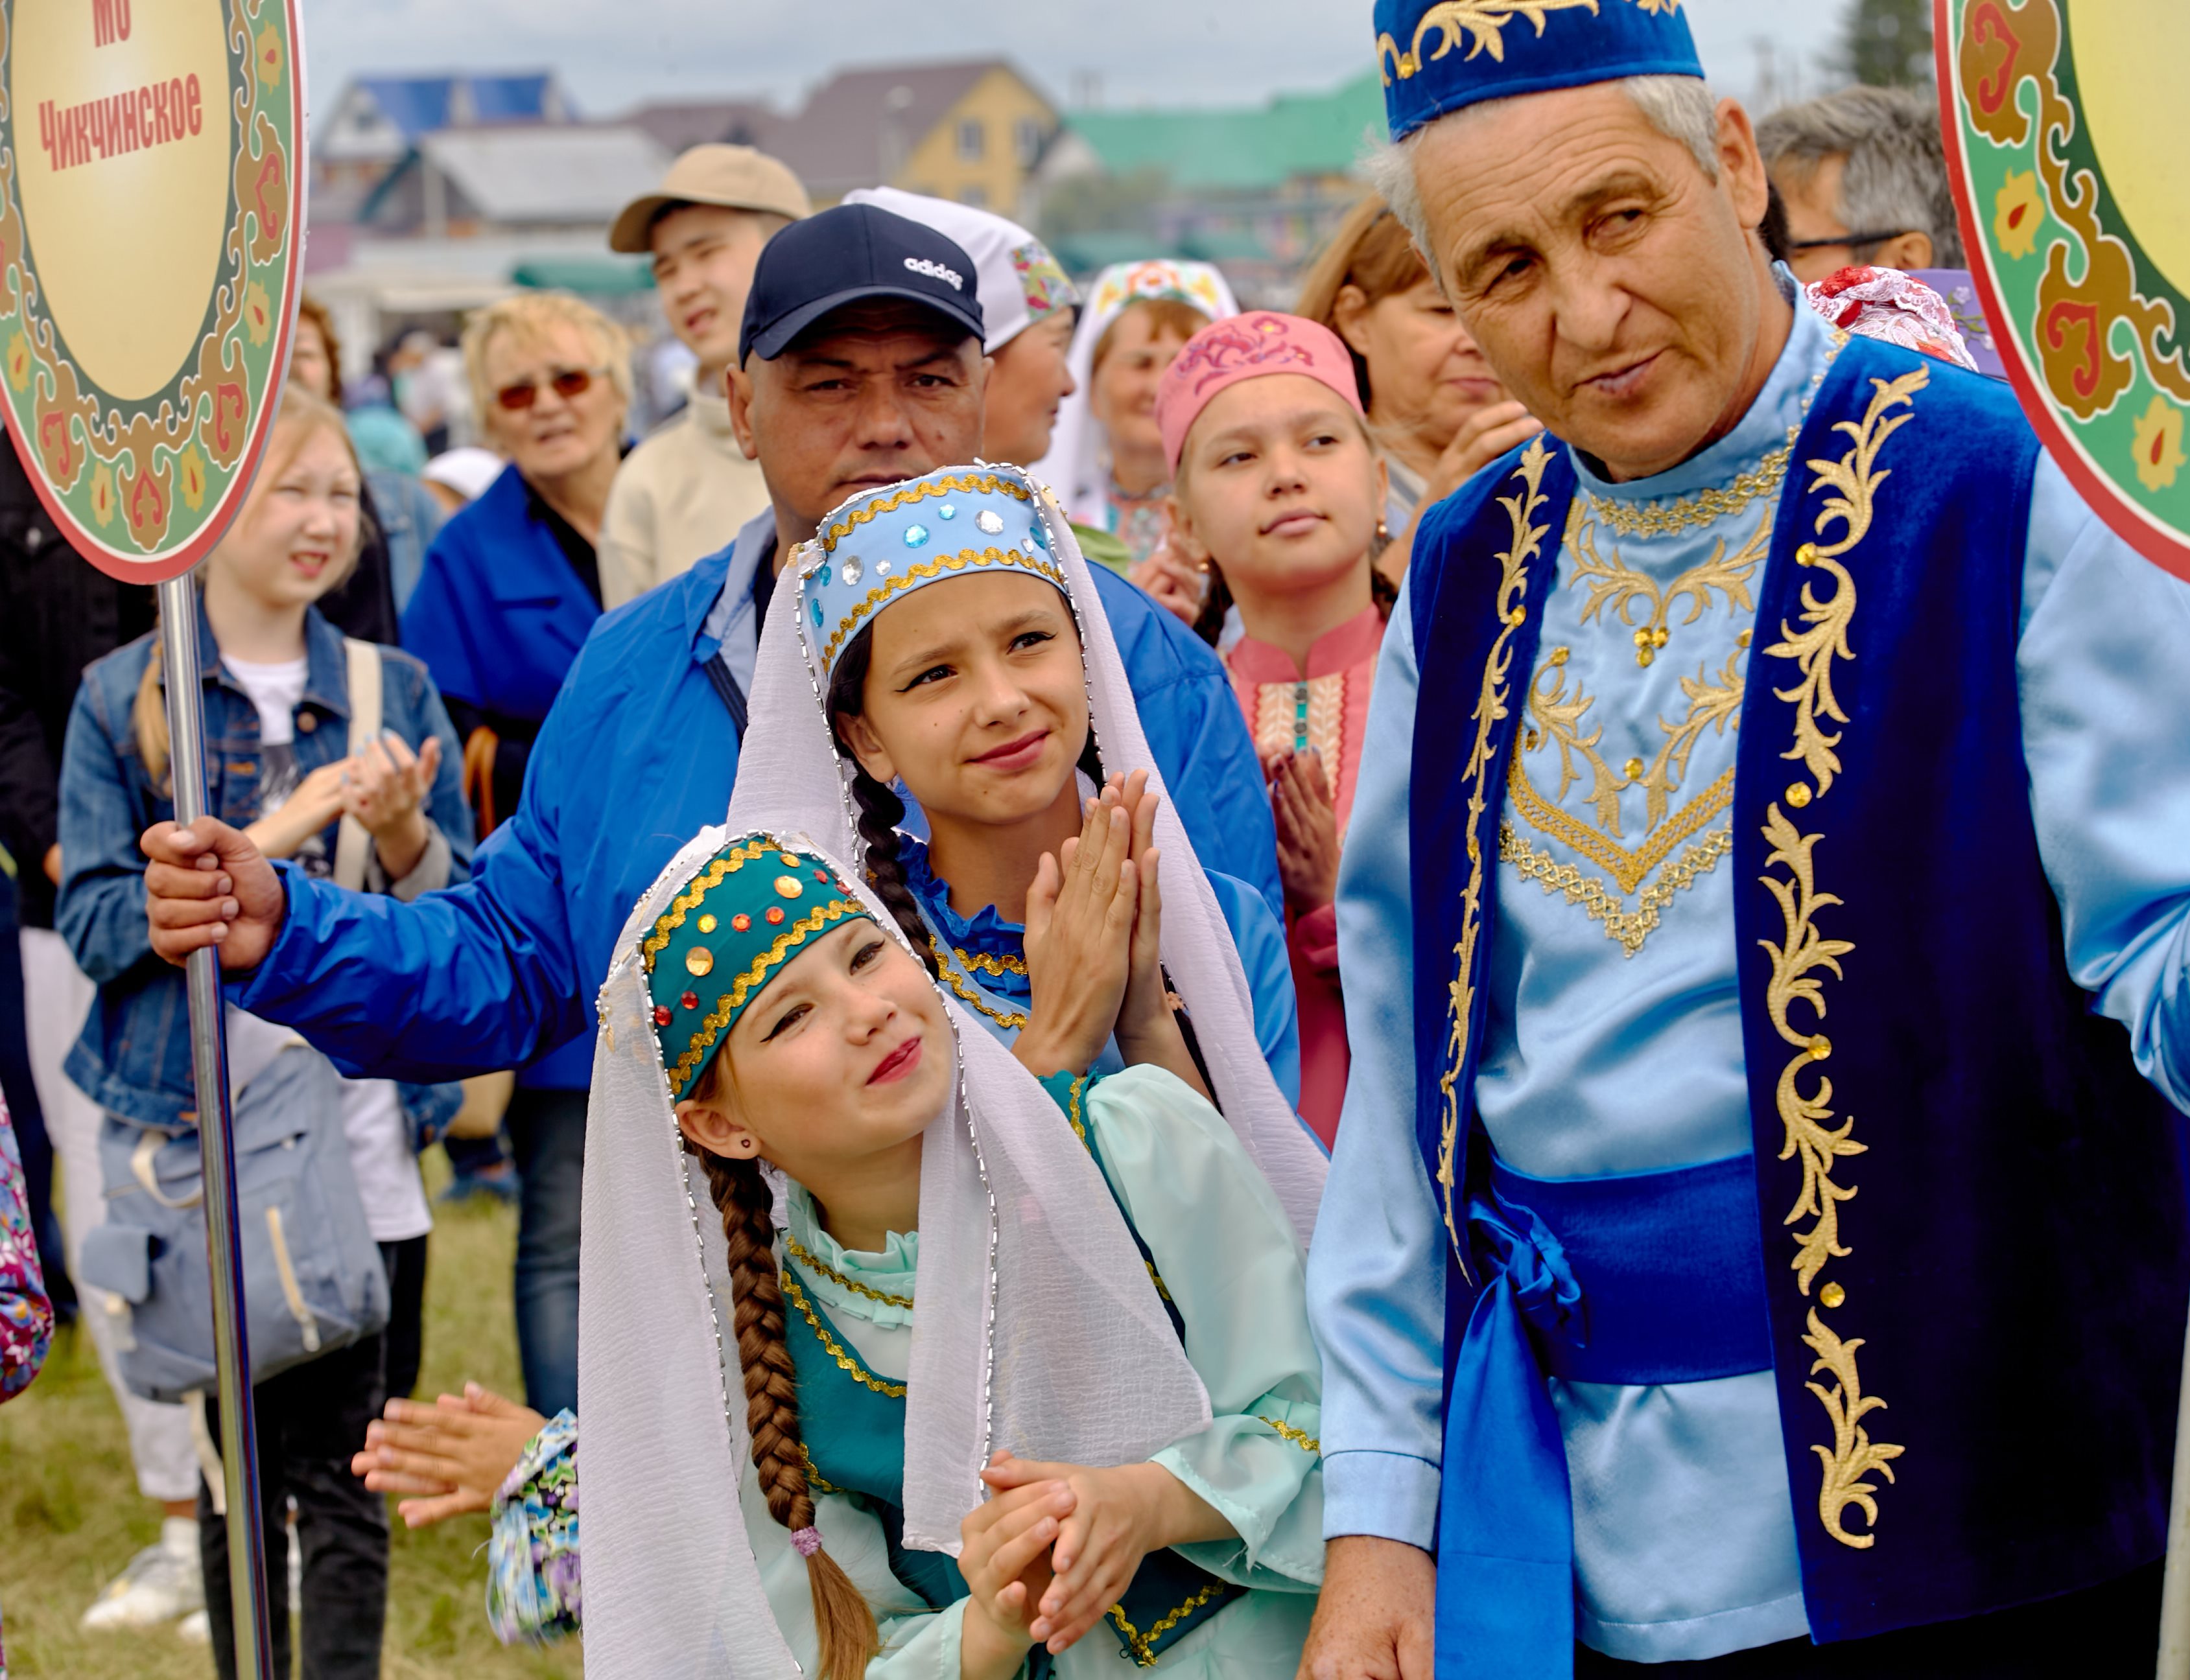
(959, 522)
(727, 933)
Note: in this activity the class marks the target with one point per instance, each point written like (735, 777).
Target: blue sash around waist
(1639, 1280)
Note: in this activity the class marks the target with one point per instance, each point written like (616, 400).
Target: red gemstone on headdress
(822, 876)
(690, 1000)
(661, 1015)
(774, 914)
(741, 922)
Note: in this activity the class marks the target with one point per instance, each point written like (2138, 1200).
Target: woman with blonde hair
(511, 589)
(287, 702)
(1437, 413)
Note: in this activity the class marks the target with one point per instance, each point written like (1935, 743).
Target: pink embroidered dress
(1326, 708)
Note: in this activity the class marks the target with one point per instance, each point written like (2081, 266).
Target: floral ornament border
(144, 488)
(2095, 338)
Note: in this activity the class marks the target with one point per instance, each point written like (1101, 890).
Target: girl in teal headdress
(972, 1267)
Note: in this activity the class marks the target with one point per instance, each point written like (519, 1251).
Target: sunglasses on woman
(570, 383)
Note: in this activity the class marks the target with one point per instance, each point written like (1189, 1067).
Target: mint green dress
(1226, 1260)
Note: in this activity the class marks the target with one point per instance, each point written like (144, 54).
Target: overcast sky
(612, 54)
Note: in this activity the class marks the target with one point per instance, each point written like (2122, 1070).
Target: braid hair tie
(807, 1541)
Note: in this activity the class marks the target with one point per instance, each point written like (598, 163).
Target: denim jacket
(409, 519)
(133, 1056)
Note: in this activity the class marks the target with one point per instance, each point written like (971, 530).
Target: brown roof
(678, 126)
(861, 125)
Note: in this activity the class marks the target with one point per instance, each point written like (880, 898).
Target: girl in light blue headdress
(951, 630)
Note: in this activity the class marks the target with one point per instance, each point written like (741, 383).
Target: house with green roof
(1255, 189)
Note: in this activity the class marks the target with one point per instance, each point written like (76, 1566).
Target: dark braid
(880, 808)
(880, 812)
(1214, 605)
(1383, 593)
(742, 1196)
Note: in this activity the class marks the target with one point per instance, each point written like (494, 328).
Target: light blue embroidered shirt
(1612, 1039)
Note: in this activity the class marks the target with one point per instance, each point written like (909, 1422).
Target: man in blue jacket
(861, 365)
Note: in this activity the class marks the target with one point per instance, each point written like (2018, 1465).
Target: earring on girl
(1383, 530)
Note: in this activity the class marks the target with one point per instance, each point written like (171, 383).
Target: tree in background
(1887, 43)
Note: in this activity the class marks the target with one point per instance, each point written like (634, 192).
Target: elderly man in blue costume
(1755, 1240)
(860, 363)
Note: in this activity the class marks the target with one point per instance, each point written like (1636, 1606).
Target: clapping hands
(1057, 1545)
(449, 1457)
(1308, 829)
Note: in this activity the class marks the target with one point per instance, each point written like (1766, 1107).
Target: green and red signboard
(2067, 133)
(152, 197)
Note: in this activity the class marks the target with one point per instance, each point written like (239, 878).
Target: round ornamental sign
(2067, 129)
(151, 198)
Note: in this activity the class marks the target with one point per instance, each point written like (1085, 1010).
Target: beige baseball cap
(737, 177)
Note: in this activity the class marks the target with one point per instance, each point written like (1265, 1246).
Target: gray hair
(1896, 177)
(1679, 107)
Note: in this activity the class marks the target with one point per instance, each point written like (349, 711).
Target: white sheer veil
(1038, 1329)
(1076, 464)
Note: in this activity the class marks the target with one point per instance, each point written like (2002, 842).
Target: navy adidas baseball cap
(842, 255)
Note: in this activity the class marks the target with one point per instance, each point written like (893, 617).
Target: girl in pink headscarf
(1278, 494)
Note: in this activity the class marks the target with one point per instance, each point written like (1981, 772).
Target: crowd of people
(1244, 859)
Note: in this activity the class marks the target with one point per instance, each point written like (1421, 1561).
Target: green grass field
(70, 1514)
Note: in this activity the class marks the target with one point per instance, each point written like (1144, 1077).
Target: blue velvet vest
(1970, 1206)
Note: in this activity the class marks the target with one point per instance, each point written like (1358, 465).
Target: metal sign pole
(239, 1432)
(2175, 1589)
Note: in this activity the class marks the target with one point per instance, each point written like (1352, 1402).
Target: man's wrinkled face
(872, 394)
(1615, 289)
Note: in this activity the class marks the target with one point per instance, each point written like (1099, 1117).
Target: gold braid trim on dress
(1299, 1437)
(836, 1349)
(1011, 1019)
(819, 1267)
(1143, 1645)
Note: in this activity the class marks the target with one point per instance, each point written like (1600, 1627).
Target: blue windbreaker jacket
(637, 756)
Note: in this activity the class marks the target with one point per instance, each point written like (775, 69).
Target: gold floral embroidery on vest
(1615, 587)
(1527, 544)
(1556, 718)
(1804, 956)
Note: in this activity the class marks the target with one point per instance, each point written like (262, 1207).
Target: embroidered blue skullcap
(1438, 55)
(737, 922)
(961, 522)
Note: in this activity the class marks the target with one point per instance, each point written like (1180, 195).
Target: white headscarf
(1018, 281)
(1075, 463)
(791, 777)
(1038, 1329)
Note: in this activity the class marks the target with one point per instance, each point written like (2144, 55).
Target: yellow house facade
(981, 149)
